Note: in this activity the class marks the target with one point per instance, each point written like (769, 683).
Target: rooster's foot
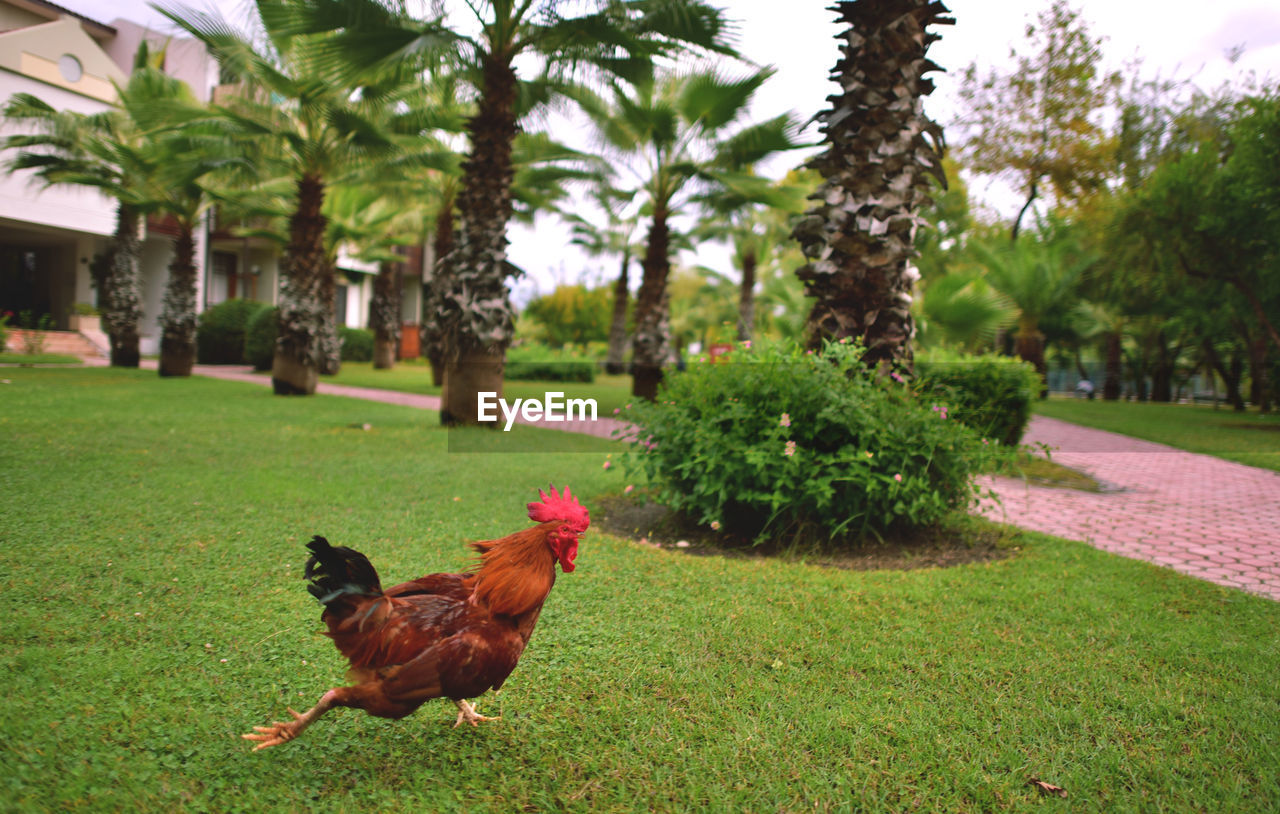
(279, 732)
(467, 713)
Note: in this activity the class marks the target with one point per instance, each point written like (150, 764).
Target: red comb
(566, 509)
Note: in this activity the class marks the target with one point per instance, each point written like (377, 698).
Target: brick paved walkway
(1200, 515)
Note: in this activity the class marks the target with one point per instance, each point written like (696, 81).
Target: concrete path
(1196, 514)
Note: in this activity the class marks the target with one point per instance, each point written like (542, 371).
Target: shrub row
(244, 332)
(540, 363)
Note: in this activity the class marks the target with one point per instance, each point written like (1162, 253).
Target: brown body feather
(444, 635)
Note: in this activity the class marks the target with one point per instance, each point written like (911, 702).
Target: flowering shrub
(778, 441)
(990, 394)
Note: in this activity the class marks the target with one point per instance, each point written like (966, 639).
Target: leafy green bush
(779, 441)
(357, 344)
(990, 394)
(260, 338)
(220, 332)
(543, 364)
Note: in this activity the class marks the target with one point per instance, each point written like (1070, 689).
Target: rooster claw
(468, 714)
(279, 732)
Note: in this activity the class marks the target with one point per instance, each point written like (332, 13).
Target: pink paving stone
(1202, 516)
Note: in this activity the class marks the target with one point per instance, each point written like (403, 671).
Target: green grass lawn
(39, 359)
(1250, 438)
(414, 376)
(151, 539)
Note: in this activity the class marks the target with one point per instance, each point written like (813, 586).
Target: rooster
(440, 636)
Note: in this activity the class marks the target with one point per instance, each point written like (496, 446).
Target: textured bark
(618, 326)
(178, 317)
(474, 310)
(328, 343)
(384, 315)
(431, 334)
(1259, 388)
(1113, 382)
(119, 296)
(1029, 343)
(882, 151)
(465, 377)
(747, 298)
(294, 369)
(649, 346)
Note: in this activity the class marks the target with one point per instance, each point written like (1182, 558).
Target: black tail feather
(337, 572)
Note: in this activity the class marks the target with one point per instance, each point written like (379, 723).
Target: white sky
(797, 37)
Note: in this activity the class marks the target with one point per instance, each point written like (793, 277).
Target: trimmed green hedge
(542, 364)
(357, 344)
(220, 332)
(260, 338)
(990, 394)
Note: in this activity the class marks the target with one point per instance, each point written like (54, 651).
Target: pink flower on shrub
(628, 489)
(894, 375)
(715, 525)
(790, 449)
(746, 345)
(607, 464)
(785, 421)
(898, 477)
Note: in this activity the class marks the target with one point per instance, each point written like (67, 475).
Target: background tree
(617, 237)
(679, 134)
(1040, 121)
(106, 151)
(572, 314)
(882, 150)
(297, 121)
(617, 37)
(735, 214)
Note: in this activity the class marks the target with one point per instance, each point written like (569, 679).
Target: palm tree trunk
(747, 298)
(384, 316)
(120, 296)
(328, 343)
(475, 310)
(178, 318)
(649, 346)
(882, 150)
(618, 327)
(294, 369)
(1030, 348)
(432, 334)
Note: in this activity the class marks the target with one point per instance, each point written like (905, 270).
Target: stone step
(66, 343)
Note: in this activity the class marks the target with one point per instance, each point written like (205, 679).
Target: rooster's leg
(466, 713)
(284, 731)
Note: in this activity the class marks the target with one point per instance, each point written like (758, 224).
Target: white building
(49, 236)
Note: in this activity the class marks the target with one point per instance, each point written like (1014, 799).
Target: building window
(70, 68)
(340, 306)
(222, 278)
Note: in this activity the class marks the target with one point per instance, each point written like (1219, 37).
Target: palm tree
(961, 308)
(1041, 275)
(615, 237)
(187, 160)
(735, 214)
(617, 37)
(298, 122)
(683, 134)
(106, 151)
(882, 152)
